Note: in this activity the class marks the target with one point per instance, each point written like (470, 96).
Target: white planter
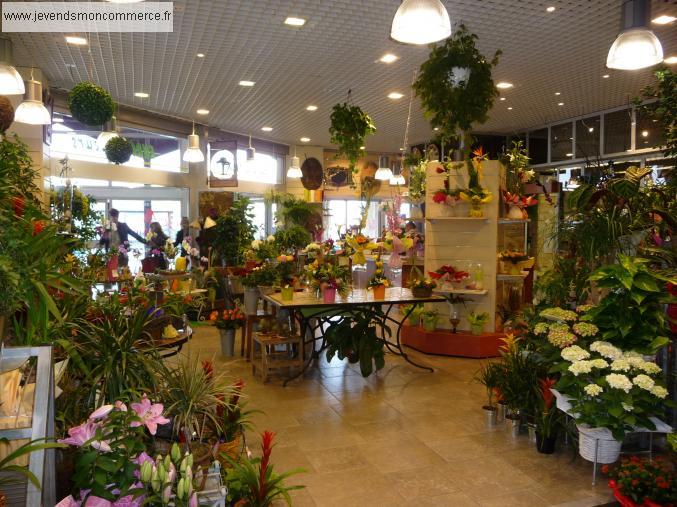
(608, 448)
(515, 213)
(251, 300)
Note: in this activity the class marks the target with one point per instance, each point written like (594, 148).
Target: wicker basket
(232, 449)
(608, 448)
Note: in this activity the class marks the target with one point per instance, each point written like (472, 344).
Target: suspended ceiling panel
(337, 50)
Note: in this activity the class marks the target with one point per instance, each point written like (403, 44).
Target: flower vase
(287, 293)
(329, 295)
(379, 292)
(227, 342)
(251, 300)
(360, 276)
(476, 209)
(448, 210)
(515, 212)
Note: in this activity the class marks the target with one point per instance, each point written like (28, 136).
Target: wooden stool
(272, 359)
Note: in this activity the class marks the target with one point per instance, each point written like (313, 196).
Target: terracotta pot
(232, 449)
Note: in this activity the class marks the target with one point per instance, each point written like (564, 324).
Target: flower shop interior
(341, 253)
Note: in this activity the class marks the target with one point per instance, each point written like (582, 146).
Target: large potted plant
(235, 232)
(227, 322)
(357, 338)
(488, 376)
(350, 125)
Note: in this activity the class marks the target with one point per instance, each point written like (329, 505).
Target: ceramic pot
(379, 292)
(515, 213)
(599, 439)
(329, 295)
(287, 293)
(251, 300)
(227, 342)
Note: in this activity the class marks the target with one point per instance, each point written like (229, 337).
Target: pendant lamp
(397, 178)
(294, 171)
(251, 152)
(110, 130)
(636, 47)
(32, 111)
(383, 172)
(11, 82)
(193, 153)
(421, 22)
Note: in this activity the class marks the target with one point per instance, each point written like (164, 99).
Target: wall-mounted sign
(223, 164)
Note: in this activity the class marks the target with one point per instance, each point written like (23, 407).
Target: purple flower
(149, 413)
(79, 435)
(193, 500)
(101, 412)
(69, 501)
(95, 501)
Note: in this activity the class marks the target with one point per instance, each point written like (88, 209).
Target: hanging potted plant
(119, 150)
(90, 104)
(350, 125)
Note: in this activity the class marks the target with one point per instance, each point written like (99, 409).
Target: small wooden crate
(275, 353)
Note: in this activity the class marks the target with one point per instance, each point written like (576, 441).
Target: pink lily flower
(68, 501)
(101, 412)
(149, 413)
(120, 406)
(79, 435)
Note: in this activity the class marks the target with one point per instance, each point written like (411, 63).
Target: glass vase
(360, 276)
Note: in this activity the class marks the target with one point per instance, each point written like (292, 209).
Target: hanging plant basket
(118, 150)
(455, 84)
(350, 125)
(6, 113)
(90, 104)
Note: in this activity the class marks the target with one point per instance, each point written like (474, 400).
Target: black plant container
(545, 445)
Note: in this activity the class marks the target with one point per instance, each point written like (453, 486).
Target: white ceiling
(543, 53)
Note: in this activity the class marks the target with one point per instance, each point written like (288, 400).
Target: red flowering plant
(642, 482)
(448, 273)
(234, 418)
(228, 319)
(548, 415)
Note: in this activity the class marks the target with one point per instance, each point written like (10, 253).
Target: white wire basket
(608, 448)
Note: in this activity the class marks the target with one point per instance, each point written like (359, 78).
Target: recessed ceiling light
(202, 111)
(591, 129)
(395, 95)
(311, 108)
(663, 20)
(78, 41)
(550, 9)
(246, 83)
(606, 76)
(141, 95)
(670, 60)
(305, 139)
(436, 129)
(560, 103)
(510, 109)
(645, 133)
(388, 58)
(502, 85)
(362, 147)
(200, 55)
(569, 154)
(267, 129)
(558, 93)
(57, 120)
(292, 21)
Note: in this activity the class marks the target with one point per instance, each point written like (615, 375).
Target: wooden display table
(444, 342)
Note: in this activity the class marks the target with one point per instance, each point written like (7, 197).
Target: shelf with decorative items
(462, 292)
(508, 277)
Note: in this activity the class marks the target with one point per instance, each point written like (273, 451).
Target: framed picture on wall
(222, 164)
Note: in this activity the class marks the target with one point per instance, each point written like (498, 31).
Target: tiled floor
(402, 437)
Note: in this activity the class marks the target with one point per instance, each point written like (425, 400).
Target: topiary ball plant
(90, 104)
(118, 150)
(6, 113)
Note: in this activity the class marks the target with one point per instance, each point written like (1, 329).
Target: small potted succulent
(422, 287)
(477, 321)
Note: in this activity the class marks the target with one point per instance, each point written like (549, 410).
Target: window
(648, 133)
(561, 142)
(263, 169)
(344, 215)
(587, 137)
(617, 131)
(258, 209)
(538, 146)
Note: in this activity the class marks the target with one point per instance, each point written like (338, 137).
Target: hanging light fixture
(193, 153)
(421, 22)
(251, 152)
(636, 47)
(397, 178)
(11, 82)
(383, 172)
(32, 110)
(294, 171)
(110, 130)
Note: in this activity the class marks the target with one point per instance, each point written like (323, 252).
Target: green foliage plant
(119, 150)
(235, 232)
(356, 338)
(292, 238)
(488, 375)
(14, 474)
(90, 104)
(350, 126)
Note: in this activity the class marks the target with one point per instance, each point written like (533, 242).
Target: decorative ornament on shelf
(119, 150)
(420, 22)
(636, 47)
(90, 104)
(455, 84)
(312, 174)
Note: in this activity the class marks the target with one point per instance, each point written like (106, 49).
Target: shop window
(617, 131)
(561, 142)
(346, 215)
(263, 169)
(538, 146)
(587, 138)
(648, 133)
(258, 209)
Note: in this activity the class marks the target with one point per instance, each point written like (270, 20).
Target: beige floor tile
(406, 453)
(337, 459)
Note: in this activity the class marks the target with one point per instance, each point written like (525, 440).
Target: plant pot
(2, 327)
(329, 295)
(421, 292)
(236, 284)
(379, 292)
(227, 342)
(513, 268)
(251, 300)
(476, 329)
(232, 449)
(545, 445)
(476, 209)
(515, 420)
(266, 290)
(531, 427)
(490, 416)
(430, 323)
(500, 412)
(608, 448)
(515, 213)
(447, 210)
(287, 293)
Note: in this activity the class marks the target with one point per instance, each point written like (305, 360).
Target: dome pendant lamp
(11, 82)
(294, 171)
(636, 47)
(32, 111)
(383, 172)
(397, 178)
(421, 22)
(193, 153)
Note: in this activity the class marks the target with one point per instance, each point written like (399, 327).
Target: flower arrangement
(642, 482)
(262, 250)
(423, 283)
(611, 388)
(448, 273)
(285, 270)
(379, 278)
(169, 249)
(261, 276)
(417, 184)
(475, 194)
(518, 174)
(228, 319)
(325, 275)
(360, 244)
(520, 202)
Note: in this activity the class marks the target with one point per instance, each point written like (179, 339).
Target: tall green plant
(235, 232)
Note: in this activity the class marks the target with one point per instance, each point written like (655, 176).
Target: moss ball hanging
(6, 113)
(118, 150)
(90, 104)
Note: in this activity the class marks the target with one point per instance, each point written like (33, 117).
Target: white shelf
(464, 292)
(514, 220)
(461, 219)
(504, 277)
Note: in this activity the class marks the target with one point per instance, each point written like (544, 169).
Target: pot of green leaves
(422, 287)
(477, 321)
(488, 377)
(430, 318)
(350, 125)
(227, 322)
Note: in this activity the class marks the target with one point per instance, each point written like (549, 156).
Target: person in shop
(183, 233)
(117, 236)
(156, 241)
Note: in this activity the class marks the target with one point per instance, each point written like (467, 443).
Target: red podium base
(445, 343)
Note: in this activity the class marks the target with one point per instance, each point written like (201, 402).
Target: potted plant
(449, 275)
(234, 233)
(378, 282)
(118, 150)
(250, 282)
(357, 338)
(265, 276)
(488, 375)
(90, 104)
(414, 312)
(350, 125)
(429, 319)
(547, 421)
(227, 322)
(286, 278)
(641, 482)
(422, 287)
(475, 194)
(477, 321)
(328, 279)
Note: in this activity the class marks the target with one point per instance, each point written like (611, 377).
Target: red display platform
(444, 342)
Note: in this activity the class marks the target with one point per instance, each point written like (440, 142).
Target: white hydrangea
(606, 349)
(618, 381)
(620, 365)
(627, 407)
(256, 244)
(634, 361)
(574, 353)
(644, 381)
(270, 239)
(650, 368)
(660, 392)
(593, 389)
(579, 367)
(599, 363)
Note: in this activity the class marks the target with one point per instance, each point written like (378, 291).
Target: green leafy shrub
(90, 104)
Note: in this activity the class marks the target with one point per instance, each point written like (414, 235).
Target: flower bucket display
(608, 448)
(379, 292)
(329, 295)
(251, 300)
(227, 342)
(287, 293)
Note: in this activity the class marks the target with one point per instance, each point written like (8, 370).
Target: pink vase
(329, 295)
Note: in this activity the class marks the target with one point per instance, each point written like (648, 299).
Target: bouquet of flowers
(448, 273)
(323, 275)
(447, 195)
(262, 250)
(169, 249)
(642, 482)
(285, 269)
(379, 277)
(360, 244)
(228, 319)
(475, 194)
(522, 202)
